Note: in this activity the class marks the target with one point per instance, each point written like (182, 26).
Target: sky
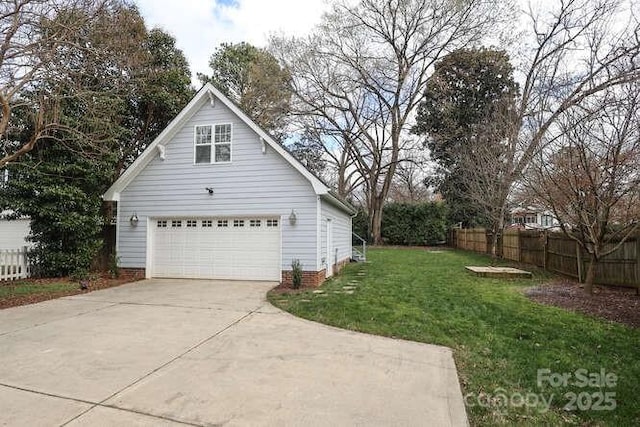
(199, 26)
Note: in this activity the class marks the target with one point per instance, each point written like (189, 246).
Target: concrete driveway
(178, 352)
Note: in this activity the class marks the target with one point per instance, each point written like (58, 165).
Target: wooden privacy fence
(556, 252)
(472, 239)
(14, 264)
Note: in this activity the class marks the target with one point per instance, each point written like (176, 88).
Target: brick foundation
(313, 278)
(134, 273)
(309, 278)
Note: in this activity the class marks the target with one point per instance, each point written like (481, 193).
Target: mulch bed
(614, 303)
(101, 282)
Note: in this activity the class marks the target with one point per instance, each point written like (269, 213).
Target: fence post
(519, 244)
(579, 262)
(14, 264)
(545, 249)
(637, 264)
(25, 262)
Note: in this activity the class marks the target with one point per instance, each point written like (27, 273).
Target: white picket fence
(14, 264)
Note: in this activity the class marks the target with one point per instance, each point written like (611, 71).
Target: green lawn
(500, 338)
(23, 288)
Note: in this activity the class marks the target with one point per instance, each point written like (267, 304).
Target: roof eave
(113, 193)
(334, 200)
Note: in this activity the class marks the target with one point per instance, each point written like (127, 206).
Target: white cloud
(199, 26)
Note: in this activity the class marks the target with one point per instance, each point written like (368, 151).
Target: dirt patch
(100, 282)
(613, 303)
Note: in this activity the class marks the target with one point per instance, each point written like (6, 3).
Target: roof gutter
(331, 198)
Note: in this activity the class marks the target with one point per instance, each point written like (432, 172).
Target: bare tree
(573, 52)
(484, 168)
(589, 175)
(362, 72)
(40, 41)
(322, 134)
(408, 184)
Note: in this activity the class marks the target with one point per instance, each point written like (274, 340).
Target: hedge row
(415, 224)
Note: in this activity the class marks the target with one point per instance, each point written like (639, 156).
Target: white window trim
(212, 160)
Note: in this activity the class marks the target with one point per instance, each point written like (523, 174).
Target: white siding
(13, 233)
(252, 184)
(341, 231)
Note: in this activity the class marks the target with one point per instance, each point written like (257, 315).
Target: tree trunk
(494, 244)
(591, 273)
(498, 226)
(342, 183)
(375, 222)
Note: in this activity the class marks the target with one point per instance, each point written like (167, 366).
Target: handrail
(362, 254)
(358, 237)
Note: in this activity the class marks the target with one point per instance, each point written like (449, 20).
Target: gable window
(213, 143)
(222, 143)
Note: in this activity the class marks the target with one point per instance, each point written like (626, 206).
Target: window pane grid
(203, 135)
(213, 143)
(223, 134)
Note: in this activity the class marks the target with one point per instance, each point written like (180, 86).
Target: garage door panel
(217, 248)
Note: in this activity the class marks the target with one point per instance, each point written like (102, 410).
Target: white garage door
(216, 248)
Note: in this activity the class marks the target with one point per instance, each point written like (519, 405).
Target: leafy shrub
(296, 273)
(414, 223)
(59, 189)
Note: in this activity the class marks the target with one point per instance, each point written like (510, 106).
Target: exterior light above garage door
(293, 217)
(134, 219)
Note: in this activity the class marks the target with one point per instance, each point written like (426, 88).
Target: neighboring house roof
(209, 91)
(522, 210)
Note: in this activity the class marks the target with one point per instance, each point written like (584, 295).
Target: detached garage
(215, 197)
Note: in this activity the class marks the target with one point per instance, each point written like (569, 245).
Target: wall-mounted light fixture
(134, 219)
(293, 218)
(210, 190)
